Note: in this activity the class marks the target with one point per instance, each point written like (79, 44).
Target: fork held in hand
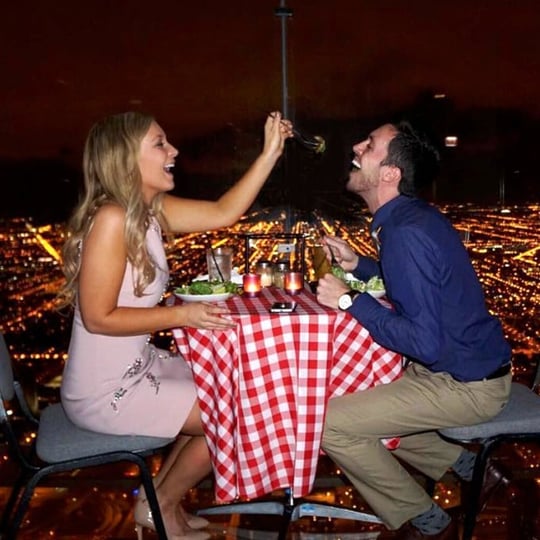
(332, 256)
(315, 143)
(333, 259)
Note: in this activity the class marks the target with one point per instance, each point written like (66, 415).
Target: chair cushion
(59, 439)
(520, 416)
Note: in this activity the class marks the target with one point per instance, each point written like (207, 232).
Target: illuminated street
(504, 245)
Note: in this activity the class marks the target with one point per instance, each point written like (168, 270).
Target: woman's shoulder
(109, 218)
(110, 212)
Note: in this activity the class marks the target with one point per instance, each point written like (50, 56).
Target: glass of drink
(321, 265)
(219, 261)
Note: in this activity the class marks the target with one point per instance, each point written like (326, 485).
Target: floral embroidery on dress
(117, 396)
(135, 369)
(154, 382)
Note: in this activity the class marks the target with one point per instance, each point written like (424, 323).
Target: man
(458, 362)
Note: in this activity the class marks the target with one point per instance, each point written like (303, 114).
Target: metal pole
(284, 12)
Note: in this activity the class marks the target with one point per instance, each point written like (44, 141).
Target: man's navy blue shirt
(440, 318)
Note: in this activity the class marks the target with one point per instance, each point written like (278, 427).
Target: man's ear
(390, 174)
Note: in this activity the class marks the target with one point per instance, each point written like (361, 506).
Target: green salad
(207, 287)
(374, 283)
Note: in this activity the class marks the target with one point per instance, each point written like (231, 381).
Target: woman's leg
(170, 458)
(186, 465)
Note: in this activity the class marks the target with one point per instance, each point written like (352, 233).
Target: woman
(116, 272)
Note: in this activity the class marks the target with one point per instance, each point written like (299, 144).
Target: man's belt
(501, 372)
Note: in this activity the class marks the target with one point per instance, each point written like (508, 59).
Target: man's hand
(329, 289)
(343, 254)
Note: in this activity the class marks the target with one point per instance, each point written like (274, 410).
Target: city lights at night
(503, 246)
(209, 72)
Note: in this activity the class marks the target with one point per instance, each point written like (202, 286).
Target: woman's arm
(189, 215)
(103, 266)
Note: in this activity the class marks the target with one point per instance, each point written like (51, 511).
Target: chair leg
(430, 486)
(471, 513)
(20, 509)
(10, 505)
(146, 479)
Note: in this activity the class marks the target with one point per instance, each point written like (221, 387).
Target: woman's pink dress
(125, 385)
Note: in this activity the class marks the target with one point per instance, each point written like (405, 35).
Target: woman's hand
(276, 131)
(329, 289)
(206, 316)
(192, 215)
(343, 254)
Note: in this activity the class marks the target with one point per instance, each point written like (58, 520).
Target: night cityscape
(504, 245)
(466, 72)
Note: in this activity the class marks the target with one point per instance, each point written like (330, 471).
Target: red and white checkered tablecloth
(263, 388)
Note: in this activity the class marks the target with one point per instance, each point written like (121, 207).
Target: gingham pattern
(263, 388)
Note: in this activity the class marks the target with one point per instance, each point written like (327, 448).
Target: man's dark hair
(416, 157)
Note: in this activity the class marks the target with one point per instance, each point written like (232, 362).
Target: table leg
(290, 509)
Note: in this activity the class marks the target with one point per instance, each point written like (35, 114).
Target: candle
(293, 282)
(266, 270)
(281, 268)
(252, 284)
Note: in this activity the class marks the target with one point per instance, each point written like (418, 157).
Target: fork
(333, 260)
(332, 256)
(311, 142)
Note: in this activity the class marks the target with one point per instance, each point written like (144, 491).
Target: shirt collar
(383, 213)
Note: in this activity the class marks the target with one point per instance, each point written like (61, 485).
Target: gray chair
(518, 421)
(60, 447)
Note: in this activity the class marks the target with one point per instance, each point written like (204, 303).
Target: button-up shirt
(440, 318)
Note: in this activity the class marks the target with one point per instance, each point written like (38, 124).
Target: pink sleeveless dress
(125, 385)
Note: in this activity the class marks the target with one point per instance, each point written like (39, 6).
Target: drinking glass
(321, 265)
(219, 261)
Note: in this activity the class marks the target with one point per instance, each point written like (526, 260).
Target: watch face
(345, 301)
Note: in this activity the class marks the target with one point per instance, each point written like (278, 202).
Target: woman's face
(156, 161)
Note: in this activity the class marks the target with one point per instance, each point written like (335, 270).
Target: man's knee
(331, 430)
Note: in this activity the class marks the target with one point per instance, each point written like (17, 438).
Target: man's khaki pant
(412, 407)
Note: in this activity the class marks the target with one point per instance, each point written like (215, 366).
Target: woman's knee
(193, 423)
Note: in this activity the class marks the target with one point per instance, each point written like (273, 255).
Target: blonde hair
(112, 176)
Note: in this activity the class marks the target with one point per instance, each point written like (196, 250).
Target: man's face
(368, 155)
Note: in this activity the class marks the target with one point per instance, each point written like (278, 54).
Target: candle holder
(293, 282)
(280, 269)
(252, 285)
(266, 271)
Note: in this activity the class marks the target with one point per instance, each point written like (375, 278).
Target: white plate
(376, 294)
(220, 297)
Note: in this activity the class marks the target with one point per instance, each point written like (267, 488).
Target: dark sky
(201, 65)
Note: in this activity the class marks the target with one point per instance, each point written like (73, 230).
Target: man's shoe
(494, 478)
(410, 532)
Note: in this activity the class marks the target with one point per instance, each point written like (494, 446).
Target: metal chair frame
(33, 468)
(523, 407)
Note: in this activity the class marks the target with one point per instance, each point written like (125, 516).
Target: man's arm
(411, 272)
(367, 267)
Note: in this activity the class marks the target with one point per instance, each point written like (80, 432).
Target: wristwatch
(345, 300)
